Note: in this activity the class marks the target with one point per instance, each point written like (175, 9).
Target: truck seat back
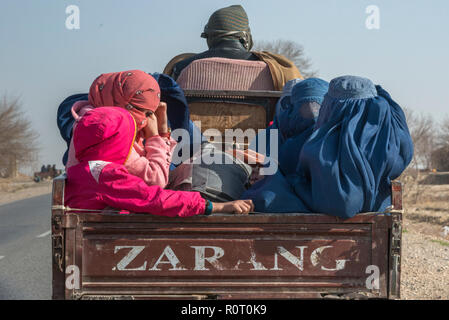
(216, 111)
(222, 115)
(226, 74)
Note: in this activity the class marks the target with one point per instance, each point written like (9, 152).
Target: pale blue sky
(43, 62)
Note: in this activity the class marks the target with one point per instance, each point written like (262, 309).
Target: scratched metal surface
(225, 258)
(222, 256)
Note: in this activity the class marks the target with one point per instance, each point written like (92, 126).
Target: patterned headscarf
(127, 89)
(228, 23)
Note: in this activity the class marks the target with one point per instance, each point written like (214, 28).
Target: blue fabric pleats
(360, 143)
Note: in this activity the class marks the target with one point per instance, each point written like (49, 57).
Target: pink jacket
(150, 162)
(103, 141)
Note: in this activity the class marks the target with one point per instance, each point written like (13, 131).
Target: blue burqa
(261, 143)
(360, 143)
(297, 120)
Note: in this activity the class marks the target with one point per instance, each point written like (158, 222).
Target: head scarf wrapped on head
(171, 93)
(228, 23)
(127, 89)
(361, 143)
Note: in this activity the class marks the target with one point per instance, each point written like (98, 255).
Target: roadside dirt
(425, 251)
(21, 188)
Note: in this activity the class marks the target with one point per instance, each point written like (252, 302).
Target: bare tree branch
(292, 51)
(443, 137)
(424, 135)
(440, 155)
(18, 140)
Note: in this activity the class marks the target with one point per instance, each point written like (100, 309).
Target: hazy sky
(43, 62)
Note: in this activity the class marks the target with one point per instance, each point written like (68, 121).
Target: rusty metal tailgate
(225, 256)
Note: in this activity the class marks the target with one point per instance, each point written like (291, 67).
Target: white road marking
(44, 234)
(1, 257)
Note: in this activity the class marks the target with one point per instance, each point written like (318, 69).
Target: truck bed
(259, 256)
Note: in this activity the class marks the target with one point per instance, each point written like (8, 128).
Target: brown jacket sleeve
(282, 69)
(168, 70)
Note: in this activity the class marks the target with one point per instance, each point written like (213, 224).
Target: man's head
(228, 23)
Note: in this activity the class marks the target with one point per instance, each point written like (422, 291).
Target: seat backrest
(226, 109)
(226, 74)
(219, 116)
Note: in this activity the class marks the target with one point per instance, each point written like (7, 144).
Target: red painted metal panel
(271, 257)
(143, 256)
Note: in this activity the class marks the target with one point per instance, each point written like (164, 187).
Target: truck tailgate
(224, 256)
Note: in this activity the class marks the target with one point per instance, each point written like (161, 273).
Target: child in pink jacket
(139, 93)
(103, 141)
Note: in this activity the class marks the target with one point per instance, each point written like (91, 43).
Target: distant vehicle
(47, 174)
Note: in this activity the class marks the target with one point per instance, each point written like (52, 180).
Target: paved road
(25, 249)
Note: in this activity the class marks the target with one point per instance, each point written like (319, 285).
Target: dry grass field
(20, 188)
(425, 251)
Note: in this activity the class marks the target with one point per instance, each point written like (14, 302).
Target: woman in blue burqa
(296, 114)
(296, 120)
(360, 143)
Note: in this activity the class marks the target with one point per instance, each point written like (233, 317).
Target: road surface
(25, 249)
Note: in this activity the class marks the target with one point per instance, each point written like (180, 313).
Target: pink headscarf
(127, 89)
(105, 133)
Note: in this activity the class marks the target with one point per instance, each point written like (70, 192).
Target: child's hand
(151, 128)
(161, 115)
(236, 207)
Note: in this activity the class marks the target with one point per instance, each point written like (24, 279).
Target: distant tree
(18, 141)
(292, 51)
(440, 159)
(440, 155)
(423, 131)
(443, 136)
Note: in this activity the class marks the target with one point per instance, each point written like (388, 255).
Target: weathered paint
(268, 256)
(169, 258)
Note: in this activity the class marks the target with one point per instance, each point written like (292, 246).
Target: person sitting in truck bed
(228, 36)
(360, 143)
(177, 114)
(103, 141)
(138, 93)
(296, 114)
(297, 121)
